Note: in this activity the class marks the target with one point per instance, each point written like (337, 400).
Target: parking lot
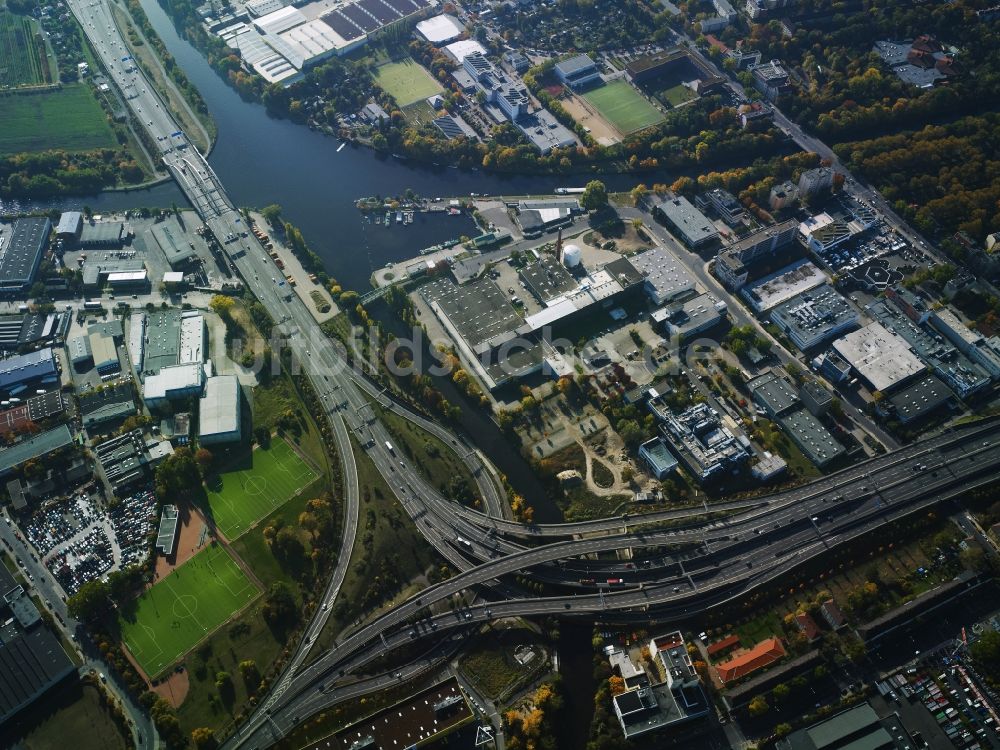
(78, 540)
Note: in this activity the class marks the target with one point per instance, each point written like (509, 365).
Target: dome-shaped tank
(571, 256)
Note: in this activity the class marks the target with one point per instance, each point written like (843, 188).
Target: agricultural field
(182, 609)
(23, 57)
(67, 118)
(240, 497)
(623, 107)
(406, 81)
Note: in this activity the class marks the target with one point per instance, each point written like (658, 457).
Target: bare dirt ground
(583, 113)
(188, 538)
(174, 689)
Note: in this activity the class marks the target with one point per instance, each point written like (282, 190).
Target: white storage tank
(572, 256)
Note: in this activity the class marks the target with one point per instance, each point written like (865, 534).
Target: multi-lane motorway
(732, 556)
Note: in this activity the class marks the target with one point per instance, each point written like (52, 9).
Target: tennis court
(239, 499)
(180, 610)
(623, 107)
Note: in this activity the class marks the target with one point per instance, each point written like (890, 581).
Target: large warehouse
(22, 254)
(881, 357)
(219, 411)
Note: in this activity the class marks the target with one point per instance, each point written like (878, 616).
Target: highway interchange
(706, 564)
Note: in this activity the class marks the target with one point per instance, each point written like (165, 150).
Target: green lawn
(185, 607)
(240, 497)
(623, 107)
(23, 59)
(406, 81)
(68, 118)
(677, 95)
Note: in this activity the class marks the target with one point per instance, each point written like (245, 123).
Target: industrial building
(70, 225)
(170, 337)
(102, 234)
(690, 318)
(32, 661)
(36, 446)
(104, 353)
(734, 265)
(536, 216)
(920, 399)
(677, 697)
(219, 411)
(461, 49)
(812, 438)
(22, 254)
(440, 29)
(698, 438)
(694, 228)
(577, 72)
(814, 317)
(815, 397)
(783, 285)
(113, 403)
(129, 458)
(773, 394)
(22, 370)
(665, 277)
(883, 359)
(857, 727)
(30, 411)
(173, 383)
(178, 252)
(959, 372)
(99, 270)
(22, 329)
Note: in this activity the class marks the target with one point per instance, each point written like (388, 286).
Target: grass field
(68, 118)
(623, 107)
(676, 95)
(22, 57)
(185, 607)
(240, 497)
(406, 81)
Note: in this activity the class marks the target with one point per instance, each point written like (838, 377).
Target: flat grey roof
(547, 278)
(816, 315)
(219, 410)
(22, 254)
(774, 391)
(102, 233)
(688, 220)
(30, 664)
(665, 275)
(163, 340)
(574, 65)
(920, 398)
(24, 367)
(479, 310)
(882, 358)
(813, 439)
(34, 447)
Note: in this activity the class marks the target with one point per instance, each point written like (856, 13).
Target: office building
(734, 265)
(812, 182)
(658, 458)
(783, 285)
(823, 233)
(814, 317)
(783, 196)
(22, 254)
(770, 79)
(677, 697)
(725, 204)
(688, 319)
(700, 440)
(694, 228)
(815, 397)
(967, 340)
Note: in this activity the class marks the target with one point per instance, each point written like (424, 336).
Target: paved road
(41, 583)
(738, 555)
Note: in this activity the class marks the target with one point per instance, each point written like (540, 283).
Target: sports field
(406, 81)
(23, 59)
(67, 118)
(623, 107)
(238, 499)
(187, 605)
